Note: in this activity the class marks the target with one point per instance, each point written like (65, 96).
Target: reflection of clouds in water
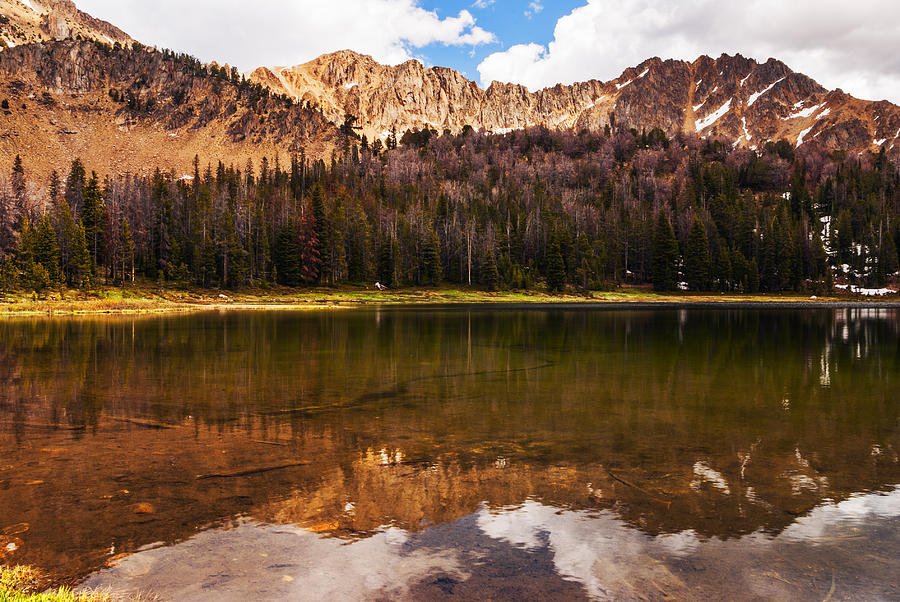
(613, 560)
(264, 562)
(856, 509)
(596, 549)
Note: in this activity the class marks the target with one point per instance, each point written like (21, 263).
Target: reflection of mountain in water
(554, 554)
(713, 423)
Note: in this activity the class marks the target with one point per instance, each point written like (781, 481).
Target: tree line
(525, 210)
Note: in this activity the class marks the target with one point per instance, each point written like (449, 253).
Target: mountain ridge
(769, 101)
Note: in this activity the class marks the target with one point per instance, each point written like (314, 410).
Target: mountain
(30, 21)
(135, 108)
(732, 97)
(74, 85)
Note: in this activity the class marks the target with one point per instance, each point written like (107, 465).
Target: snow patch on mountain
(702, 124)
(803, 134)
(804, 113)
(754, 97)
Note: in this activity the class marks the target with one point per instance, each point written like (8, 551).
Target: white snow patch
(502, 130)
(698, 83)
(29, 5)
(593, 104)
(746, 78)
(755, 97)
(645, 72)
(350, 85)
(702, 124)
(620, 86)
(746, 133)
(879, 142)
(714, 90)
(866, 292)
(804, 113)
(897, 135)
(803, 134)
(824, 114)
(696, 107)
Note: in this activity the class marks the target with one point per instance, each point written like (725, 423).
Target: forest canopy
(528, 209)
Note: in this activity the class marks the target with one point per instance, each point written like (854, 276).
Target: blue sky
(506, 19)
(537, 43)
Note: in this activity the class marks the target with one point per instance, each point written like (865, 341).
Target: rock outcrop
(731, 97)
(30, 21)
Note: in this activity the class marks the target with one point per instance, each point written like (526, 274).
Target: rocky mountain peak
(733, 97)
(32, 21)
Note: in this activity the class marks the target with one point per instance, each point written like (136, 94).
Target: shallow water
(433, 453)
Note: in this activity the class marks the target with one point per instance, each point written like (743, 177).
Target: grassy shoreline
(152, 300)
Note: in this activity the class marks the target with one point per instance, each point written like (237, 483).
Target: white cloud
(483, 3)
(841, 44)
(534, 8)
(286, 32)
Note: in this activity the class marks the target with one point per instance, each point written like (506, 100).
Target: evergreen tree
(696, 258)
(664, 267)
(556, 268)
(75, 186)
(386, 262)
(286, 255)
(18, 185)
(490, 277)
(431, 258)
(92, 216)
(753, 277)
(80, 263)
(46, 251)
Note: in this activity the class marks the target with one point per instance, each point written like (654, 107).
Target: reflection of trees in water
(723, 422)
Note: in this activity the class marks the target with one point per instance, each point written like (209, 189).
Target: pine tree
(556, 268)
(80, 263)
(286, 256)
(753, 277)
(585, 261)
(490, 277)
(431, 258)
(385, 269)
(664, 266)
(46, 251)
(75, 186)
(18, 184)
(92, 216)
(696, 258)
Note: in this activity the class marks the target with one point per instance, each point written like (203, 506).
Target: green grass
(145, 298)
(24, 584)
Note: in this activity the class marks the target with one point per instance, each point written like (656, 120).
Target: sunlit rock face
(732, 97)
(30, 21)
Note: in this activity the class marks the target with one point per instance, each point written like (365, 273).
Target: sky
(538, 43)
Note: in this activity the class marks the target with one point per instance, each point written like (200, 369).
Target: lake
(429, 453)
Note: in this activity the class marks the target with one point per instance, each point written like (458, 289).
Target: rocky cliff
(30, 21)
(732, 97)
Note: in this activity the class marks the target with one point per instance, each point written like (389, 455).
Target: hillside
(732, 97)
(133, 109)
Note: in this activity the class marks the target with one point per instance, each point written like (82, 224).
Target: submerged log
(250, 471)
